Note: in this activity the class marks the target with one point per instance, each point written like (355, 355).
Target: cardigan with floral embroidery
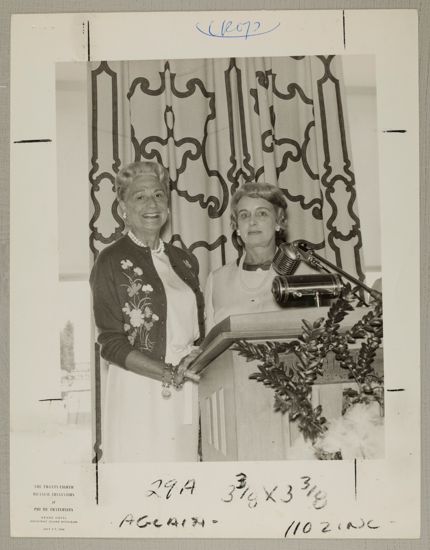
(129, 300)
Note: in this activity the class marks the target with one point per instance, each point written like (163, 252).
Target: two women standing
(149, 312)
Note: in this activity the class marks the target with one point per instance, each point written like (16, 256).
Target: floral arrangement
(292, 383)
(358, 433)
(138, 308)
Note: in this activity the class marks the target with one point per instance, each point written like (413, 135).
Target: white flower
(136, 318)
(126, 264)
(127, 327)
(147, 288)
(138, 271)
(155, 317)
(359, 433)
(133, 289)
(126, 308)
(132, 337)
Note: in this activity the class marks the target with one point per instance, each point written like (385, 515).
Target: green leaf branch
(292, 383)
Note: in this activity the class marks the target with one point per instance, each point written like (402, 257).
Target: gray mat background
(8, 7)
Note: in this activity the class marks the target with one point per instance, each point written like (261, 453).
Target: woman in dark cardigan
(148, 308)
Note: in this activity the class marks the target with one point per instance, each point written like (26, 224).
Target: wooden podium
(237, 417)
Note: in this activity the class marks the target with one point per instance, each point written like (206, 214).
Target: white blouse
(182, 327)
(231, 290)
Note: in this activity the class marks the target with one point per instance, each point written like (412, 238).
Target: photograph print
(220, 261)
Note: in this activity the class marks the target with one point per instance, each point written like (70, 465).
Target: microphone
(303, 250)
(286, 259)
(289, 289)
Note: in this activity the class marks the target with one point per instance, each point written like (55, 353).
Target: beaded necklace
(158, 250)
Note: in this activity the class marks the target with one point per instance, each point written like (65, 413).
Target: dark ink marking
(355, 478)
(344, 29)
(269, 494)
(151, 493)
(372, 526)
(170, 485)
(33, 141)
(394, 131)
(56, 399)
(244, 492)
(351, 525)
(326, 528)
(128, 519)
(296, 529)
(88, 42)
(397, 389)
(97, 450)
(241, 481)
(97, 480)
(140, 521)
(312, 490)
(288, 529)
(197, 521)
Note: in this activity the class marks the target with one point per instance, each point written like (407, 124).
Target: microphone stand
(309, 255)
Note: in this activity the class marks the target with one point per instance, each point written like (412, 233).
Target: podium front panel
(238, 421)
(218, 410)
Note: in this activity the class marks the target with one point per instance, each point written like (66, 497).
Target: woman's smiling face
(146, 206)
(256, 222)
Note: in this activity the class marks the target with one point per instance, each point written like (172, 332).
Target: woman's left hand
(182, 370)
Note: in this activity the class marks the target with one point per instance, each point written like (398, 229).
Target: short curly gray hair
(267, 191)
(134, 170)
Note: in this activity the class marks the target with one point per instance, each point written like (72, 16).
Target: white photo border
(390, 35)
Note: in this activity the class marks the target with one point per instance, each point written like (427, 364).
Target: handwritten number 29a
(166, 488)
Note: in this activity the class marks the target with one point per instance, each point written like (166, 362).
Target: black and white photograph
(218, 280)
(260, 165)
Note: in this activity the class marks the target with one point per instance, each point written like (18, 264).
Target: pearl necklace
(247, 287)
(158, 250)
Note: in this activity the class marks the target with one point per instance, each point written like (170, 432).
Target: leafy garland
(292, 384)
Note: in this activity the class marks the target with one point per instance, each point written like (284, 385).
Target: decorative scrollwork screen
(216, 123)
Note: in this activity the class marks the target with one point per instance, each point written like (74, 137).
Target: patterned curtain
(216, 123)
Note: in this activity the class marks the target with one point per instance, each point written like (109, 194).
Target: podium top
(273, 325)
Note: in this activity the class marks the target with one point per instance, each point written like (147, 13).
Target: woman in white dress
(149, 312)
(258, 216)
